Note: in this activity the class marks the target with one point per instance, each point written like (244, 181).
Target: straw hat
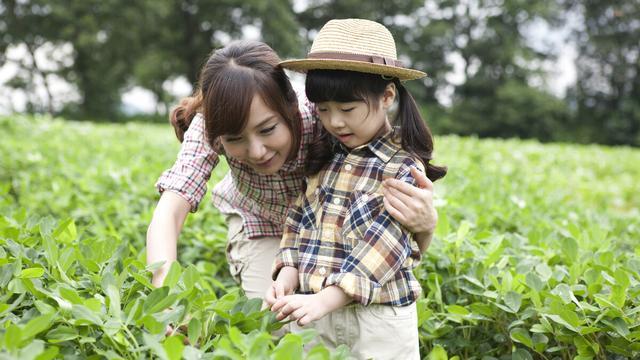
(356, 45)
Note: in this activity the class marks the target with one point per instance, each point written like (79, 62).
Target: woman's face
(265, 142)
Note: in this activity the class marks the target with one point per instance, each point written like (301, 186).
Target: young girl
(340, 245)
(245, 108)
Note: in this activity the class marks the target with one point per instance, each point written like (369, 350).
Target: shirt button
(348, 167)
(322, 271)
(336, 201)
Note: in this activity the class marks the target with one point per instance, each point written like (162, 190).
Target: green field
(536, 254)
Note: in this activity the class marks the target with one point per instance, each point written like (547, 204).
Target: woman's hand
(412, 206)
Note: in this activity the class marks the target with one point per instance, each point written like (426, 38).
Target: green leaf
(544, 271)
(190, 276)
(66, 232)
(437, 353)
(173, 275)
(62, 333)
(457, 309)
(513, 300)
(619, 325)
(37, 325)
(569, 249)
(71, 295)
(173, 346)
(521, 354)
(31, 273)
(12, 337)
(83, 315)
(522, 336)
(154, 298)
(533, 281)
(194, 329)
(113, 294)
(564, 292)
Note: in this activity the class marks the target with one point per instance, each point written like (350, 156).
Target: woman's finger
(399, 201)
(393, 211)
(422, 181)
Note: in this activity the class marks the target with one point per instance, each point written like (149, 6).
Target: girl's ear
(389, 95)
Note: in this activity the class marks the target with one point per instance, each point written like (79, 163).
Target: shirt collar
(384, 146)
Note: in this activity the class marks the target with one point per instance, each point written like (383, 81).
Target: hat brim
(303, 65)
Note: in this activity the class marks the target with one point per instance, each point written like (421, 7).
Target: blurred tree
(499, 61)
(118, 44)
(607, 93)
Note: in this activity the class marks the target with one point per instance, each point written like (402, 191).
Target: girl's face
(356, 123)
(265, 142)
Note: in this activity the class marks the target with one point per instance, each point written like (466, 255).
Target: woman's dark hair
(347, 86)
(227, 84)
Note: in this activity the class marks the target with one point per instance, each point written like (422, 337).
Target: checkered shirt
(261, 200)
(339, 233)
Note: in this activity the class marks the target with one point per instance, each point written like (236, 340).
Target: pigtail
(182, 115)
(416, 136)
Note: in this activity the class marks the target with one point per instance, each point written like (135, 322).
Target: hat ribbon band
(374, 59)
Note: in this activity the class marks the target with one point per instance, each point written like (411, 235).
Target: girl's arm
(163, 232)
(412, 206)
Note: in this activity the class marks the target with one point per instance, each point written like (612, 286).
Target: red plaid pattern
(261, 200)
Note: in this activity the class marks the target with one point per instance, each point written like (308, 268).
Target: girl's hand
(285, 284)
(307, 308)
(411, 205)
(302, 308)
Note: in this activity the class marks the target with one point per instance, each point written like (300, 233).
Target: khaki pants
(250, 260)
(371, 332)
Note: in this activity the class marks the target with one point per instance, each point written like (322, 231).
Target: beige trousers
(371, 332)
(250, 260)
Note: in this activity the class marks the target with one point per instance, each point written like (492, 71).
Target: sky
(561, 73)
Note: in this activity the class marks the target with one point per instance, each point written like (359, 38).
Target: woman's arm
(163, 232)
(412, 206)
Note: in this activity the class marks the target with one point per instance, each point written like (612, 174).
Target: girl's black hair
(347, 86)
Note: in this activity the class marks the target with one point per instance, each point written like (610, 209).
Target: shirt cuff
(188, 197)
(359, 288)
(285, 257)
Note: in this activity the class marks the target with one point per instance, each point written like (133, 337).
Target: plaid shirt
(339, 233)
(261, 200)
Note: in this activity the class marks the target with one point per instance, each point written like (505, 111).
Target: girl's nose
(336, 121)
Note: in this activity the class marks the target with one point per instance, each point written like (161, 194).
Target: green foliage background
(536, 253)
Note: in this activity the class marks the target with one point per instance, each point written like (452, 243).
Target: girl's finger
(305, 320)
(279, 290)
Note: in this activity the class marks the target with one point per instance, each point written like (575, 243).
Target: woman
(245, 108)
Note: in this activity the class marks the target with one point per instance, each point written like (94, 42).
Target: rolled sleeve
(189, 174)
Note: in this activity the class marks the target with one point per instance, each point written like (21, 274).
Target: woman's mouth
(344, 137)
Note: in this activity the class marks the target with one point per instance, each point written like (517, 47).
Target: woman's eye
(348, 109)
(322, 109)
(268, 130)
(231, 139)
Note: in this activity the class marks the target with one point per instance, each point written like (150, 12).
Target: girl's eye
(322, 109)
(348, 109)
(232, 139)
(268, 130)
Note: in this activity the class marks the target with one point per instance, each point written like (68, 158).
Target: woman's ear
(389, 96)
